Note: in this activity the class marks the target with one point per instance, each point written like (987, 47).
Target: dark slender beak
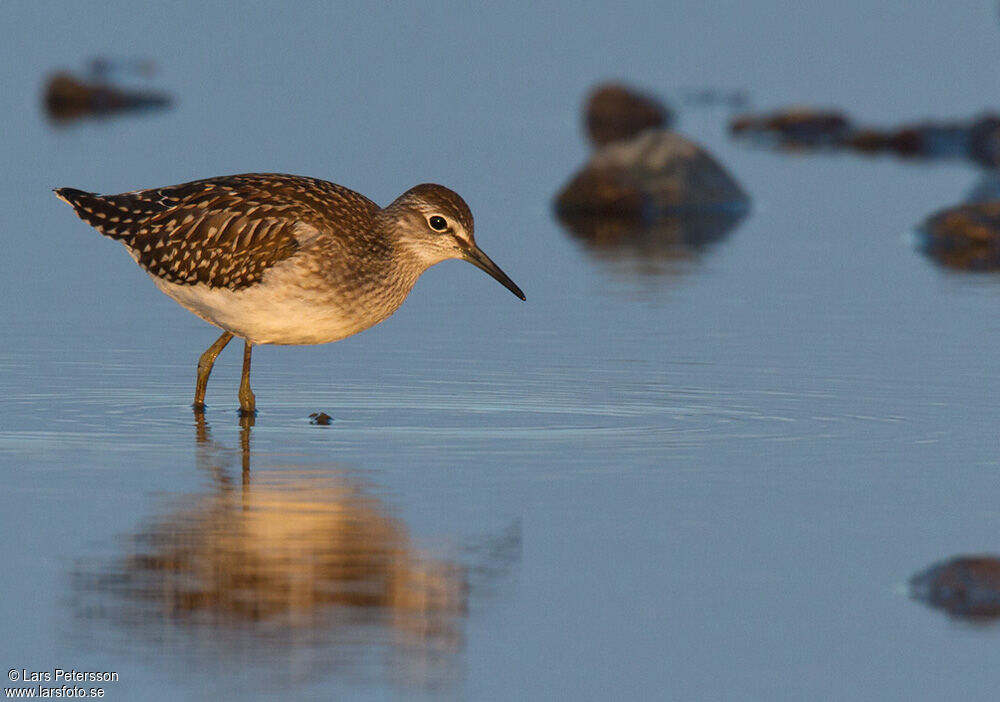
(477, 258)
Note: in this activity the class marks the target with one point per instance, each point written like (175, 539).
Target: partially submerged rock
(647, 193)
(616, 112)
(68, 97)
(654, 174)
(966, 237)
(966, 587)
(794, 127)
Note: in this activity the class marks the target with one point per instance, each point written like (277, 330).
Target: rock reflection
(286, 558)
(658, 247)
(966, 587)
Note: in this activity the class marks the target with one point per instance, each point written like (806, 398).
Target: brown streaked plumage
(282, 259)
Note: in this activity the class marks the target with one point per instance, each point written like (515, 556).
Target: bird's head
(433, 224)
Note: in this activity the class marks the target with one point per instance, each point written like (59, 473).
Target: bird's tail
(103, 214)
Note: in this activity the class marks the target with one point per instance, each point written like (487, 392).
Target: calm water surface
(701, 474)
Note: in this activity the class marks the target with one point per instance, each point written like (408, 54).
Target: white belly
(275, 311)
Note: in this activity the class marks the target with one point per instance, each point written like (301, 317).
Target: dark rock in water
(616, 112)
(654, 174)
(967, 587)
(794, 127)
(321, 419)
(653, 246)
(68, 98)
(966, 237)
(646, 193)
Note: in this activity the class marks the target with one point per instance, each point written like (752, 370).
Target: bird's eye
(438, 223)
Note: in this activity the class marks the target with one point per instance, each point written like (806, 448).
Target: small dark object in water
(616, 112)
(658, 172)
(966, 587)
(794, 127)
(67, 98)
(321, 419)
(966, 237)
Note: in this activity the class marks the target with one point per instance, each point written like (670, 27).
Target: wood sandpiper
(282, 259)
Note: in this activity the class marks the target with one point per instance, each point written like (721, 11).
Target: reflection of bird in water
(652, 247)
(289, 556)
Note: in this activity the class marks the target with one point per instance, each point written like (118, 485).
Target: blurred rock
(966, 237)
(966, 587)
(977, 140)
(616, 112)
(654, 174)
(68, 97)
(932, 140)
(923, 140)
(794, 127)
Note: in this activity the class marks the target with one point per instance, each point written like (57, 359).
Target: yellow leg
(247, 402)
(205, 364)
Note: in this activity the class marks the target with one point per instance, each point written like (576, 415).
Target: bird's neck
(374, 278)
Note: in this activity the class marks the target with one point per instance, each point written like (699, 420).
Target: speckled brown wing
(221, 232)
